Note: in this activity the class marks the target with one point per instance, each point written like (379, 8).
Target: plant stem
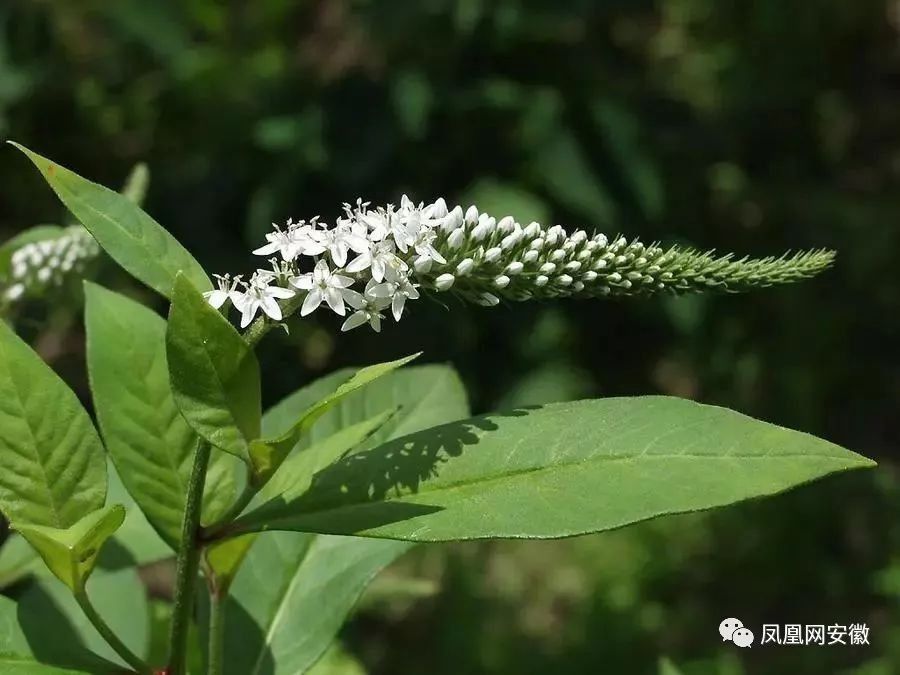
(188, 562)
(216, 644)
(107, 633)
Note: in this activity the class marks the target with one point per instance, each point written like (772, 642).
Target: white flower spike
(399, 250)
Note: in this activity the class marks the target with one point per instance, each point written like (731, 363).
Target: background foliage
(753, 127)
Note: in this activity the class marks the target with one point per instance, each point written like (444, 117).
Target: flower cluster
(42, 265)
(373, 259)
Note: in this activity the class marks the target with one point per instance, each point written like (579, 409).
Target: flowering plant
(286, 516)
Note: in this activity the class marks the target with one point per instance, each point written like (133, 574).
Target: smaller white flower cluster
(387, 245)
(42, 265)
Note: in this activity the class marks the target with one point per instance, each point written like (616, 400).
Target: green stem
(107, 633)
(216, 644)
(188, 563)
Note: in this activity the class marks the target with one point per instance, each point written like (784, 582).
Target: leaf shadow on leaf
(253, 645)
(51, 636)
(398, 467)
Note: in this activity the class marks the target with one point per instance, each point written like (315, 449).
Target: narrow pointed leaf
(52, 464)
(213, 372)
(145, 433)
(296, 474)
(556, 471)
(313, 581)
(131, 237)
(267, 455)
(72, 553)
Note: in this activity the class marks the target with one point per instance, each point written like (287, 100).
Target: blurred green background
(753, 127)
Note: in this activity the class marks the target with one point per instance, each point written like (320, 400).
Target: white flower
(346, 235)
(259, 294)
(224, 292)
(323, 285)
(368, 307)
(382, 258)
(396, 293)
(424, 245)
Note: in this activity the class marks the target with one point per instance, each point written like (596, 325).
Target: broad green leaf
(131, 237)
(423, 396)
(338, 661)
(316, 579)
(284, 624)
(47, 608)
(18, 560)
(135, 543)
(72, 553)
(145, 434)
(267, 455)
(555, 471)
(16, 657)
(213, 372)
(52, 465)
(293, 478)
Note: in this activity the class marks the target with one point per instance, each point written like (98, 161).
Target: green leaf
(131, 237)
(338, 661)
(48, 608)
(213, 372)
(316, 579)
(423, 395)
(267, 455)
(16, 657)
(145, 434)
(134, 544)
(296, 474)
(311, 583)
(555, 471)
(52, 465)
(72, 553)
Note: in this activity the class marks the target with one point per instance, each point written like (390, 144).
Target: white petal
(335, 300)
(279, 292)
(268, 249)
(340, 281)
(311, 302)
(361, 262)
(339, 254)
(378, 269)
(381, 290)
(397, 306)
(355, 320)
(375, 322)
(270, 307)
(216, 298)
(354, 299)
(304, 282)
(248, 313)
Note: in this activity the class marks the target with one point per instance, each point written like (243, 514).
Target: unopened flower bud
(471, 215)
(443, 282)
(488, 300)
(456, 238)
(514, 267)
(502, 281)
(492, 254)
(465, 267)
(541, 280)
